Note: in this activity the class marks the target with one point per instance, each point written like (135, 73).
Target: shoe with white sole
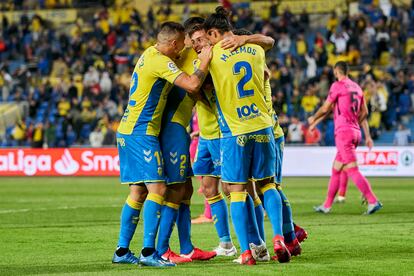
(322, 209)
(260, 252)
(225, 252)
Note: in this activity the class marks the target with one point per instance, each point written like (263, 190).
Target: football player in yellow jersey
(207, 163)
(289, 228)
(247, 146)
(141, 165)
(175, 144)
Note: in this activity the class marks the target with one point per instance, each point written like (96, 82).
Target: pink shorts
(346, 144)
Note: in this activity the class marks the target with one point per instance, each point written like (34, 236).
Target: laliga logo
(66, 165)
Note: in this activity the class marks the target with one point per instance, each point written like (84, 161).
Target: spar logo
(46, 163)
(377, 158)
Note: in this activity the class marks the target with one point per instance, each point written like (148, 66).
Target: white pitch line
(11, 211)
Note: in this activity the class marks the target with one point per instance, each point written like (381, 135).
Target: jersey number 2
(248, 74)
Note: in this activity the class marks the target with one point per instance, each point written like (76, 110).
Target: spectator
(105, 83)
(76, 77)
(311, 66)
(19, 133)
(295, 131)
(382, 38)
(402, 136)
(340, 40)
(96, 138)
(309, 102)
(284, 44)
(38, 136)
(312, 137)
(50, 135)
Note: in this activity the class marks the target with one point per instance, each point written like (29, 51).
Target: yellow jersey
(179, 104)
(152, 79)
(238, 79)
(277, 129)
(207, 116)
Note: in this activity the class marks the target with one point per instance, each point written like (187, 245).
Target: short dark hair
(193, 21)
(218, 20)
(343, 66)
(242, 32)
(170, 27)
(194, 29)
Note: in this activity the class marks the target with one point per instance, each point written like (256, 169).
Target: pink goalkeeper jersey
(347, 97)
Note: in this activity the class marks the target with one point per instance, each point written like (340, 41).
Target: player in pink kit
(346, 99)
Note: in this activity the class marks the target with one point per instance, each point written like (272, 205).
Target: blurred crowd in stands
(76, 79)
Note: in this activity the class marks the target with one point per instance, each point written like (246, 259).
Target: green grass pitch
(70, 225)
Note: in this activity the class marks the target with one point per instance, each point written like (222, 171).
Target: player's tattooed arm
(200, 75)
(193, 82)
(235, 41)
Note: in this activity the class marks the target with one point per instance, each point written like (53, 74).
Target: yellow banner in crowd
(262, 8)
(56, 16)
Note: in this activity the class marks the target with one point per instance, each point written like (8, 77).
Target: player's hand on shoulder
(233, 42)
(206, 54)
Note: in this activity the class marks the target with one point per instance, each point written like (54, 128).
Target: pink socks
(362, 183)
(343, 183)
(332, 188)
(207, 209)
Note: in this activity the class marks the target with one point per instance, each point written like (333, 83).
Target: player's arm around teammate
(137, 138)
(247, 145)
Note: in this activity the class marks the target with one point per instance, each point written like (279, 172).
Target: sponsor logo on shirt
(248, 112)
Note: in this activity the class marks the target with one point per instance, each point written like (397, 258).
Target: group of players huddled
(221, 71)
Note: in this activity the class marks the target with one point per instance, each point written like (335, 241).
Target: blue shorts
(175, 146)
(207, 160)
(279, 146)
(140, 159)
(248, 156)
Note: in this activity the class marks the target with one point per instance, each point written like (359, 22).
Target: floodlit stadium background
(66, 67)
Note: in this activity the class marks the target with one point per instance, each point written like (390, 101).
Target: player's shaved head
(342, 67)
(170, 31)
(170, 39)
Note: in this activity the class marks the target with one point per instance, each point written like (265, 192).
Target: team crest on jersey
(195, 64)
(172, 67)
(241, 140)
(141, 61)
